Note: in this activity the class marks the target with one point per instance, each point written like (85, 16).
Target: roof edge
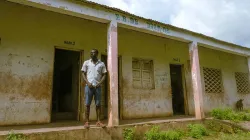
(165, 24)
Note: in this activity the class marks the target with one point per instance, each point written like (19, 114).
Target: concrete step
(76, 131)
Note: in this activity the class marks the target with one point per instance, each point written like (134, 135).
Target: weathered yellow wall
(141, 103)
(229, 64)
(29, 36)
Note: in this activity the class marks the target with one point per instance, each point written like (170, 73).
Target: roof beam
(105, 15)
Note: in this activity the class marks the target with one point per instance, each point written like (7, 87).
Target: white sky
(228, 20)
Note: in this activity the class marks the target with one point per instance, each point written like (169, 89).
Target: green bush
(171, 135)
(13, 136)
(197, 130)
(153, 134)
(222, 114)
(229, 114)
(128, 134)
(238, 136)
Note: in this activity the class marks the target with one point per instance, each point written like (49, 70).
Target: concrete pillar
(113, 118)
(248, 62)
(196, 80)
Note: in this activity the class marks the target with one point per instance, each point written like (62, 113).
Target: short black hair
(95, 50)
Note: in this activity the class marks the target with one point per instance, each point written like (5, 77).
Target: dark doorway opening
(65, 85)
(105, 89)
(104, 101)
(177, 89)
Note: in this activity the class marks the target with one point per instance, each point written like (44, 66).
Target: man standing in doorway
(94, 74)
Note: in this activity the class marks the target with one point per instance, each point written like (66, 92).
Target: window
(142, 73)
(242, 82)
(213, 80)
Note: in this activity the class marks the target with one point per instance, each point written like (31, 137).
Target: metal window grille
(142, 73)
(242, 82)
(213, 80)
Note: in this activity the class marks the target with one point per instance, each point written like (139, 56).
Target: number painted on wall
(176, 59)
(69, 42)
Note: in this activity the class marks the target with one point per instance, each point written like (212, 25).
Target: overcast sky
(228, 20)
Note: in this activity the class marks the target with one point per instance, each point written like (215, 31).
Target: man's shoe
(86, 125)
(100, 124)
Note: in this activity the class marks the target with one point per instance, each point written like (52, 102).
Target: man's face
(93, 54)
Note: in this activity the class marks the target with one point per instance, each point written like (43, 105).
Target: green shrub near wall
(229, 114)
(155, 134)
(14, 136)
(197, 130)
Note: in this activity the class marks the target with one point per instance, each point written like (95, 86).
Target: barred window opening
(213, 80)
(242, 82)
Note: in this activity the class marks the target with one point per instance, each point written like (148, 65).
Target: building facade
(154, 69)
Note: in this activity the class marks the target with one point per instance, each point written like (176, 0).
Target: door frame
(81, 52)
(184, 89)
(120, 88)
(120, 93)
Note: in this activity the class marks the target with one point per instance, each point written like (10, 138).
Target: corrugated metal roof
(151, 20)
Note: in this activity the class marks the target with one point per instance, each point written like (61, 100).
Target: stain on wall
(228, 64)
(29, 36)
(156, 102)
(36, 86)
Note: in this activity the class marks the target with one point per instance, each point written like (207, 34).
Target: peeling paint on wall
(26, 58)
(148, 103)
(37, 86)
(161, 80)
(226, 62)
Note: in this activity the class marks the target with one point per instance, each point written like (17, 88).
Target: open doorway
(105, 90)
(104, 101)
(177, 90)
(65, 85)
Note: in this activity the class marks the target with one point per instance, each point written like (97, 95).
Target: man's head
(94, 54)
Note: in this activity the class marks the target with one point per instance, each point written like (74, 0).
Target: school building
(154, 69)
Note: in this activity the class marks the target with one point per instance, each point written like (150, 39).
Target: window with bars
(213, 80)
(242, 82)
(142, 73)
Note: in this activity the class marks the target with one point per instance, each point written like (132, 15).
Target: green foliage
(237, 130)
(243, 116)
(197, 130)
(238, 136)
(222, 127)
(13, 136)
(128, 134)
(248, 111)
(171, 135)
(222, 114)
(155, 134)
(229, 114)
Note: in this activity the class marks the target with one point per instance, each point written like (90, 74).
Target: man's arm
(104, 72)
(102, 80)
(86, 80)
(84, 74)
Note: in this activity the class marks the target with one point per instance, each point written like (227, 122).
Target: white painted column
(196, 80)
(113, 118)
